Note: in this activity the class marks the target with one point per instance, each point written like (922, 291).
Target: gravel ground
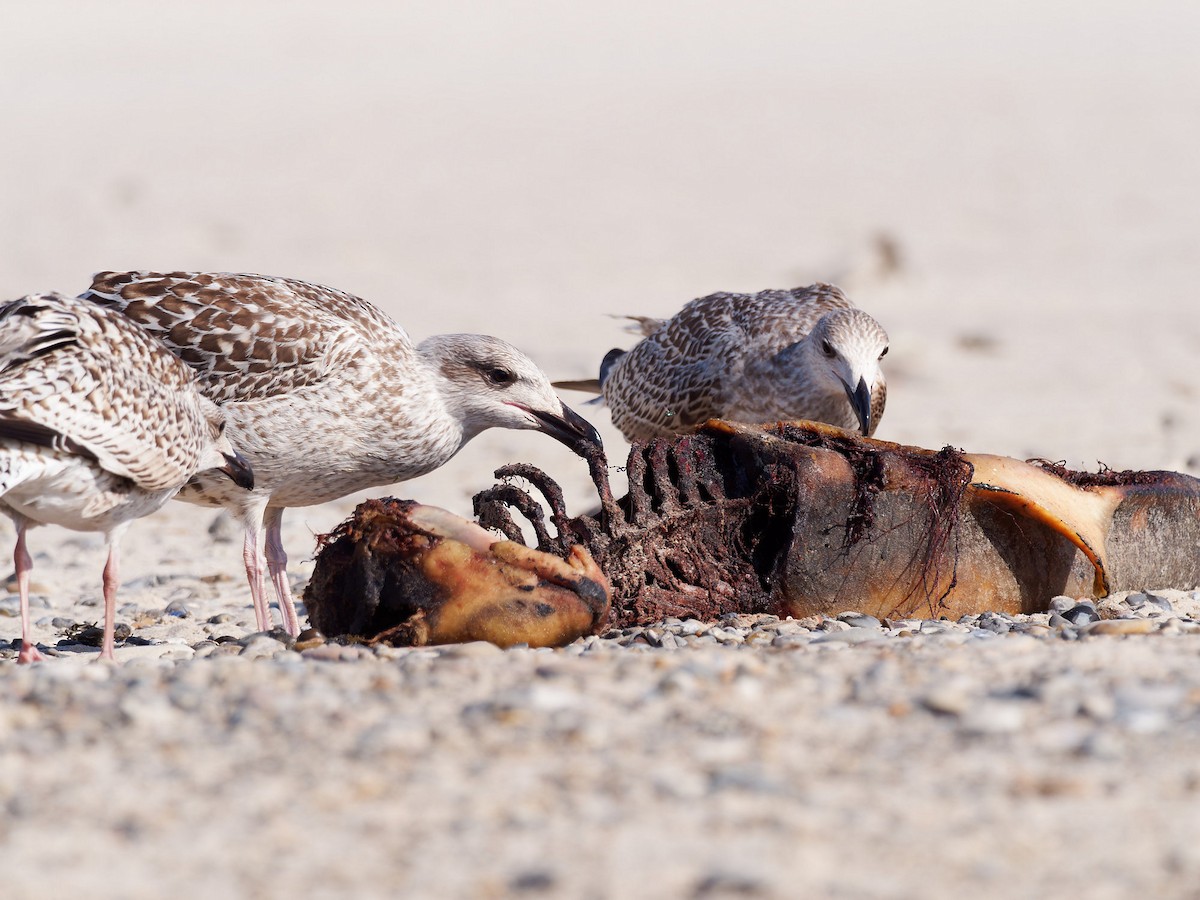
(1014, 756)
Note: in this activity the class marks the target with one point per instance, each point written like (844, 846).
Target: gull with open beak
(326, 395)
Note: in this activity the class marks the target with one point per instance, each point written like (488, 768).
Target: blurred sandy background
(524, 169)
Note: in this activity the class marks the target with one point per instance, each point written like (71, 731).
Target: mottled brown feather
(108, 392)
(249, 337)
(683, 372)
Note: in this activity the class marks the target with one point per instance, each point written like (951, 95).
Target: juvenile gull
(805, 353)
(326, 395)
(99, 425)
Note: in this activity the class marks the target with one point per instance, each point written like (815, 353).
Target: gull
(777, 355)
(99, 425)
(326, 395)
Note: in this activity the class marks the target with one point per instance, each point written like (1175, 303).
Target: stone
(948, 699)
(853, 635)
(1122, 626)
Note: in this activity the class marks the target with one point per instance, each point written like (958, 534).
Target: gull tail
(593, 385)
(643, 325)
(588, 385)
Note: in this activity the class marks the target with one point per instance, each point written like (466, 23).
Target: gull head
(849, 345)
(489, 383)
(219, 453)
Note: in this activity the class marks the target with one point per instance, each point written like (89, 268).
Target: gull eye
(884, 353)
(827, 348)
(499, 376)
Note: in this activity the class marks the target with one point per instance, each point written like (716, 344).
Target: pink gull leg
(111, 580)
(23, 563)
(277, 564)
(252, 556)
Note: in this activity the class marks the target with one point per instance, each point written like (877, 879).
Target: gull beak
(238, 470)
(860, 402)
(569, 427)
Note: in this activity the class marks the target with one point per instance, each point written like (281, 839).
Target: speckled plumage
(324, 393)
(292, 364)
(99, 424)
(765, 357)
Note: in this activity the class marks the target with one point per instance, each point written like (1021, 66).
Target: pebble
(951, 699)
(1098, 706)
(858, 620)
(224, 528)
(1061, 604)
(1161, 602)
(729, 884)
(791, 640)
(231, 648)
(259, 646)
(275, 635)
(994, 717)
(854, 635)
(930, 626)
(1141, 598)
(726, 635)
(35, 585)
(982, 634)
(308, 638)
(832, 625)
(1123, 626)
(11, 605)
(1146, 708)
(994, 623)
(533, 881)
(1082, 613)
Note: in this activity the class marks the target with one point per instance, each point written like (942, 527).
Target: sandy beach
(530, 170)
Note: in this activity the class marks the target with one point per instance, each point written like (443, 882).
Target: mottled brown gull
(99, 425)
(804, 353)
(326, 395)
